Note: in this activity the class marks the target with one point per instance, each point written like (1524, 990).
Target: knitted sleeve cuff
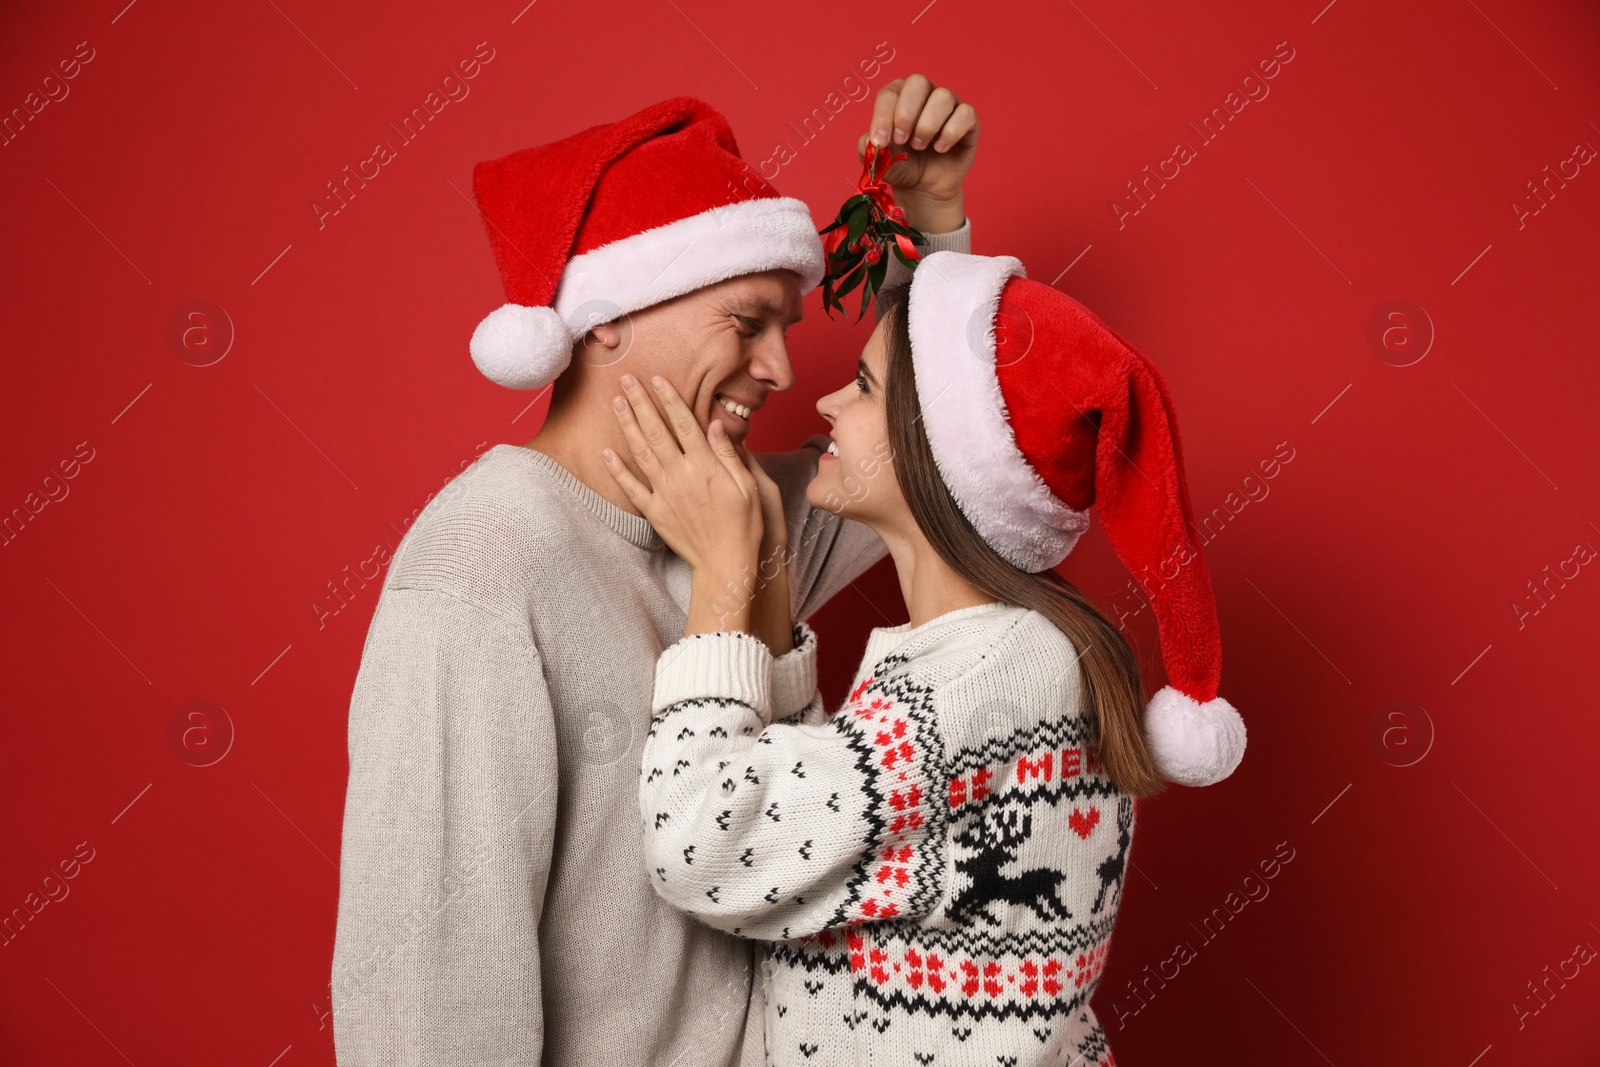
(794, 674)
(729, 665)
(959, 240)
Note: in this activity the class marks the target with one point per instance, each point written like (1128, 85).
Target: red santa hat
(1035, 409)
(619, 217)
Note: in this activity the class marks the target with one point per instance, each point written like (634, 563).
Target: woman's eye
(861, 381)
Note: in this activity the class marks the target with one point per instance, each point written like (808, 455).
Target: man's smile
(735, 413)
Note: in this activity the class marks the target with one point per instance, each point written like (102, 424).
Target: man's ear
(605, 343)
(606, 335)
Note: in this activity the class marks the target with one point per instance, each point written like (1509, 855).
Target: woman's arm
(771, 611)
(795, 697)
(703, 501)
(716, 603)
(777, 830)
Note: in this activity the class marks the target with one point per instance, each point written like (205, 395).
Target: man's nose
(771, 365)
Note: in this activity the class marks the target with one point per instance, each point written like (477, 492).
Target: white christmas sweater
(933, 868)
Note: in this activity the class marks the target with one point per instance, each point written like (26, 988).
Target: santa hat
(619, 217)
(1035, 409)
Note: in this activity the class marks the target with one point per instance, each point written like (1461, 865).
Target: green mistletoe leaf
(855, 278)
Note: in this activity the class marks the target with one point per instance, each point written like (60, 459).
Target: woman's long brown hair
(1113, 690)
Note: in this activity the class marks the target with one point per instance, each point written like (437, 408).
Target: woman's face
(857, 479)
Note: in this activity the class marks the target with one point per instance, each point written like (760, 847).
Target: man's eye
(753, 325)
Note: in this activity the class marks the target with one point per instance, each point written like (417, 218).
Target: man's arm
(957, 240)
(448, 828)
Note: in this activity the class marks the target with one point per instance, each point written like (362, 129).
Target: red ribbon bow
(876, 220)
(882, 195)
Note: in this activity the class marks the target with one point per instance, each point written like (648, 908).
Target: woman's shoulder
(1000, 652)
(1028, 684)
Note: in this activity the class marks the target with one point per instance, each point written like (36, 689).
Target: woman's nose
(828, 405)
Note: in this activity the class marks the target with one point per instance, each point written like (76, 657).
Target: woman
(935, 867)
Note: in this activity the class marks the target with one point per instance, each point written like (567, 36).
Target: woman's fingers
(636, 491)
(758, 474)
(643, 452)
(722, 448)
(651, 439)
(684, 425)
(660, 441)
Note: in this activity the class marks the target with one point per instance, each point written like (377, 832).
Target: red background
(1382, 565)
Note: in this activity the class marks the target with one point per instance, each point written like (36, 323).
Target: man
(494, 907)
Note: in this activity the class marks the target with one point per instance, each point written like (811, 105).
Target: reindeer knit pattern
(933, 869)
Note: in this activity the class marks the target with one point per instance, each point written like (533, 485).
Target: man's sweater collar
(635, 529)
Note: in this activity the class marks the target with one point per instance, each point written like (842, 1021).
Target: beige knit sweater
(494, 907)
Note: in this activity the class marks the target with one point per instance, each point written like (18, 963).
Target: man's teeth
(833, 448)
(737, 408)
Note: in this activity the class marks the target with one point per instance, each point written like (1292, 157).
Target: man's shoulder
(793, 470)
(505, 493)
(502, 520)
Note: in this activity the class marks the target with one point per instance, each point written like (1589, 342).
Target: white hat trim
(745, 237)
(955, 297)
(524, 347)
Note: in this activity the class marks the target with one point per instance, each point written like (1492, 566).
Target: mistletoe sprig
(870, 226)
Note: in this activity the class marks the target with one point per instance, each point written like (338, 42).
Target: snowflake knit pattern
(933, 868)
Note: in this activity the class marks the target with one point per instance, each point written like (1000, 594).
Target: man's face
(723, 346)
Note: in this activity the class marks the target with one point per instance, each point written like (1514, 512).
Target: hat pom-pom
(1193, 743)
(521, 347)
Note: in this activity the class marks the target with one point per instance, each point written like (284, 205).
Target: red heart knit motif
(1083, 824)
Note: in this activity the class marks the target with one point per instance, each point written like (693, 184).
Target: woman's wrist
(721, 601)
(771, 617)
